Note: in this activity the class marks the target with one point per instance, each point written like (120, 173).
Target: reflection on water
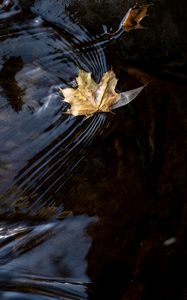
(40, 146)
(46, 259)
(52, 244)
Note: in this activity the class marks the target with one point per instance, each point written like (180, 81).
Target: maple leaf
(133, 18)
(90, 97)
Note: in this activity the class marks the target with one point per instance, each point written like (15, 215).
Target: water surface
(88, 206)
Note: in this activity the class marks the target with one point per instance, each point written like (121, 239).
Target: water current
(68, 219)
(40, 147)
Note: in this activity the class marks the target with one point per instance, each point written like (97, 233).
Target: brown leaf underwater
(133, 18)
(90, 97)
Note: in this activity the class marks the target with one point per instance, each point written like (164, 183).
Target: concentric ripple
(40, 147)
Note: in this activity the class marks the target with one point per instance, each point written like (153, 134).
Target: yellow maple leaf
(90, 97)
(133, 18)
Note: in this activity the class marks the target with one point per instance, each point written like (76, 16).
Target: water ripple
(40, 149)
(63, 246)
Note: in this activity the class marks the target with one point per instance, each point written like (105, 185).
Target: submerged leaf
(90, 97)
(133, 18)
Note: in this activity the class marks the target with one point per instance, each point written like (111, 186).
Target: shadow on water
(88, 210)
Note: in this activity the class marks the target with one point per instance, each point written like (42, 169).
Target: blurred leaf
(133, 18)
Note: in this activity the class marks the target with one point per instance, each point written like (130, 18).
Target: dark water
(40, 147)
(43, 247)
(35, 61)
(88, 205)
